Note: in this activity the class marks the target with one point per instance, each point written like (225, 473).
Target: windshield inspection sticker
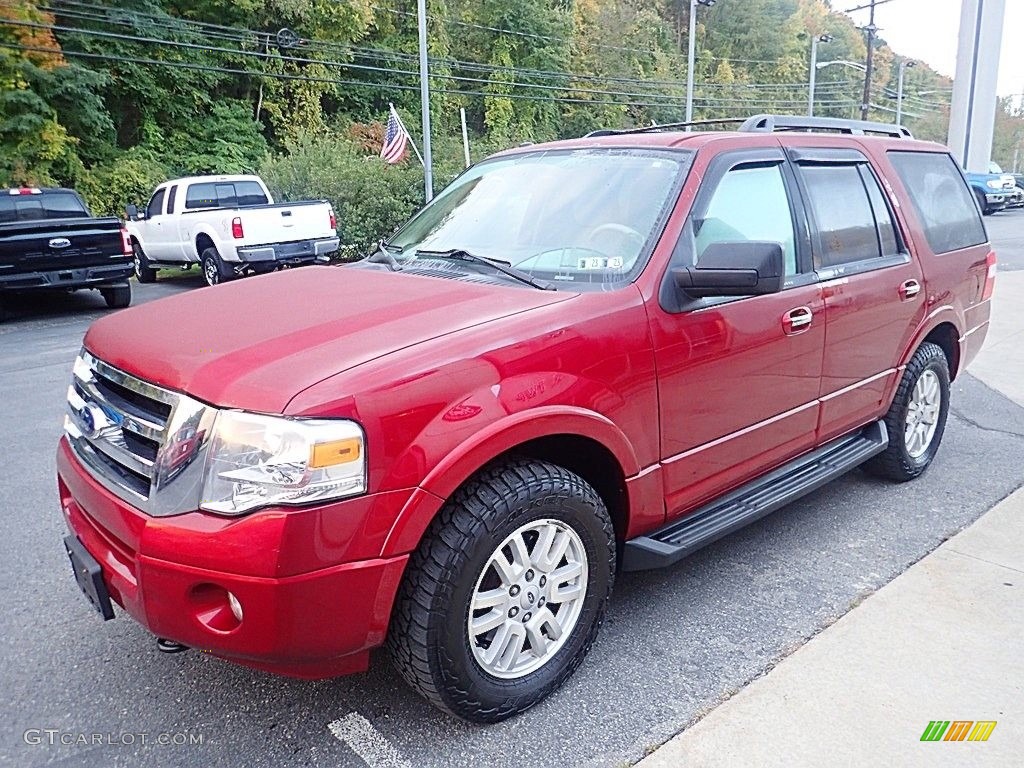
(601, 262)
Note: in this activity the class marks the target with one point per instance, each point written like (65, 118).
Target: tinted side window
(249, 193)
(944, 203)
(201, 196)
(883, 216)
(749, 204)
(842, 211)
(170, 198)
(156, 205)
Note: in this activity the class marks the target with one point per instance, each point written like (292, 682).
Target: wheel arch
(203, 241)
(942, 329)
(584, 443)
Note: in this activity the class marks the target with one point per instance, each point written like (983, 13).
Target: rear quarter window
(943, 201)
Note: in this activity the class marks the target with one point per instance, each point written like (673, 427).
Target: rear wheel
(214, 271)
(143, 272)
(917, 418)
(506, 593)
(118, 296)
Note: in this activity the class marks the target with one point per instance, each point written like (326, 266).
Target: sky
(928, 30)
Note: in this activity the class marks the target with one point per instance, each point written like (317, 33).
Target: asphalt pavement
(677, 641)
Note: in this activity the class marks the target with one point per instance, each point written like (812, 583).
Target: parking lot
(676, 643)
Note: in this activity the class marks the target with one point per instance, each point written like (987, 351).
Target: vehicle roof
(697, 140)
(213, 178)
(42, 190)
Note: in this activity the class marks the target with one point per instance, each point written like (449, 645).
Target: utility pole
(815, 39)
(691, 57)
(869, 65)
(428, 180)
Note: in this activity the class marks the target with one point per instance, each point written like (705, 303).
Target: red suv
(581, 357)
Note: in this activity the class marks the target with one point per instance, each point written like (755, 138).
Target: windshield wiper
(383, 255)
(501, 266)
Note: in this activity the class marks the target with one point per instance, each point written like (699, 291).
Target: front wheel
(506, 593)
(917, 417)
(143, 272)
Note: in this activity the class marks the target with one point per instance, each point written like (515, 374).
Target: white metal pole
(899, 94)
(692, 42)
(465, 135)
(428, 181)
(814, 75)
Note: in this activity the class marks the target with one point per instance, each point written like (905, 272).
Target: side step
(754, 500)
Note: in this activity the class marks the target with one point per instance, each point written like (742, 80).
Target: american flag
(395, 139)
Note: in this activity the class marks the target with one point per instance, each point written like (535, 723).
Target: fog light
(236, 607)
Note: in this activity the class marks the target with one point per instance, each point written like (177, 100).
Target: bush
(129, 178)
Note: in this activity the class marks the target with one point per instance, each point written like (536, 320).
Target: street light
(692, 55)
(904, 65)
(814, 69)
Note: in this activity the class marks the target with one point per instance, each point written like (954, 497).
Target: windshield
(579, 217)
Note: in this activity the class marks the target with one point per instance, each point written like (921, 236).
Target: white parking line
(361, 737)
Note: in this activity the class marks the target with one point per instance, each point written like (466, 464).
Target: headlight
(255, 461)
(995, 183)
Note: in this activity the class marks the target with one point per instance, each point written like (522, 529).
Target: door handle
(909, 290)
(797, 320)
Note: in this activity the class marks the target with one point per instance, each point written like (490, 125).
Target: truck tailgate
(286, 222)
(53, 244)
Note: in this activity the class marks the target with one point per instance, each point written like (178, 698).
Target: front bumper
(998, 199)
(80, 277)
(172, 575)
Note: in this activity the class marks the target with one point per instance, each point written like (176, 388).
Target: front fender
(495, 439)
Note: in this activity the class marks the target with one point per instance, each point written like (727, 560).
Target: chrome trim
(108, 434)
(857, 385)
(974, 330)
(739, 433)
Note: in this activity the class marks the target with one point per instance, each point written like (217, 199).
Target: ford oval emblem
(60, 242)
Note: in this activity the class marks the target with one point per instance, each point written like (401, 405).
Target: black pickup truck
(49, 241)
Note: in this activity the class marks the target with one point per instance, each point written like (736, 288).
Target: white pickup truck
(230, 225)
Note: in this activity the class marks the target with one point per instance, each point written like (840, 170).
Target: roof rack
(776, 123)
(662, 127)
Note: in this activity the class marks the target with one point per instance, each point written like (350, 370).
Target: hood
(258, 342)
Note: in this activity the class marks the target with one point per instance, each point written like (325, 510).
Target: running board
(760, 497)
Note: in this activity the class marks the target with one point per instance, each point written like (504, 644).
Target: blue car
(994, 190)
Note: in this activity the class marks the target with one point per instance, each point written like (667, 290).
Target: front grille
(135, 438)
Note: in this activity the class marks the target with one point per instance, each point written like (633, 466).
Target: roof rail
(662, 127)
(774, 123)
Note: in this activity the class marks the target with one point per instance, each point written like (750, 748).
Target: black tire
(143, 272)
(118, 296)
(4, 312)
(214, 271)
(428, 639)
(897, 462)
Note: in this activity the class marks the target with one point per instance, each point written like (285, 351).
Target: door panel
(738, 379)
(871, 306)
(738, 394)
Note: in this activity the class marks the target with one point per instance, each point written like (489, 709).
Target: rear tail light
(334, 220)
(990, 276)
(236, 228)
(126, 242)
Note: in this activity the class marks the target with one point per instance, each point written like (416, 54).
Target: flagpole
(412, 141)
(428, 181)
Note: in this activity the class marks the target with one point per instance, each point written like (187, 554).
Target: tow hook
(169, 646)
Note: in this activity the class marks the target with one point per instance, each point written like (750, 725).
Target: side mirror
(132, 211)
(741, 268)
